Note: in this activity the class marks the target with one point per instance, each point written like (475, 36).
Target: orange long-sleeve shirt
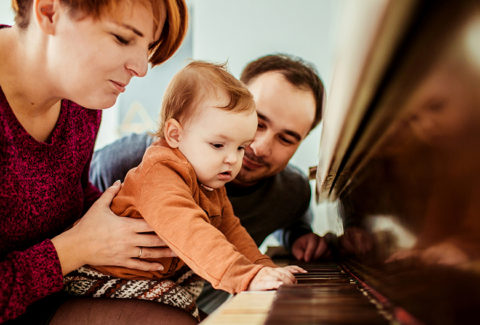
(196, 223)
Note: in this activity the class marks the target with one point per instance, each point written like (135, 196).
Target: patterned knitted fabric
(181, 290)
(44, 189)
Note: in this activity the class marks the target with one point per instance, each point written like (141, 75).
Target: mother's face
(92, 60)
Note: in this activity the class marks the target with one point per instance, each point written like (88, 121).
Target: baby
(208, 118)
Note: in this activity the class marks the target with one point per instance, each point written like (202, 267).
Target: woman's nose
(137, 65)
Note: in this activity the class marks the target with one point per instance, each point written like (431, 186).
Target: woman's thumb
(110, 193)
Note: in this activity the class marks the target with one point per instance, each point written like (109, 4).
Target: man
(268, 194)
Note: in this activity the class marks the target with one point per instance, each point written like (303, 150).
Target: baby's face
(214, 140)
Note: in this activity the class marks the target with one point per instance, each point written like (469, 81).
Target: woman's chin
(105, 104)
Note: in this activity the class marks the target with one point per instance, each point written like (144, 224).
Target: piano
(400, 152)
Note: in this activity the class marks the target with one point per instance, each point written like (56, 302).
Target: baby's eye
(216, 145)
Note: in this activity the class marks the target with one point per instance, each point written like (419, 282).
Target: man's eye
(121, 40)
(261, 126)
(286, 141)
(216, 145)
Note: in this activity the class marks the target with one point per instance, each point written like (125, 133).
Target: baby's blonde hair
(199, 78)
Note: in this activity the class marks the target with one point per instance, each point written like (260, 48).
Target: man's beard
(247, 175)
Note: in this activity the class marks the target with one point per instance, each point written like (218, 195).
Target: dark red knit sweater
(44, 189)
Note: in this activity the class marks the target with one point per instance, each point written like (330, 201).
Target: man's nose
(262, 145)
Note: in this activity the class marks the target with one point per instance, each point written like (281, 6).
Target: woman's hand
(102, 238)
(273, 277)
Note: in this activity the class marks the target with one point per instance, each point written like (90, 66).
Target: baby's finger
(295, 269)
(266, 285)
(285, 276)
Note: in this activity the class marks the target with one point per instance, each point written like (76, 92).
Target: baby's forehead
(224, 123)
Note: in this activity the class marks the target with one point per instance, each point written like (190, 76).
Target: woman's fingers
(113, 240)
(147, 240)
(137, 225)
(107, 196)
(155, 252)
(143, 265)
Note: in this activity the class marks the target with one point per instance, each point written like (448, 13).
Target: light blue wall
(6, 12)
(239, 31)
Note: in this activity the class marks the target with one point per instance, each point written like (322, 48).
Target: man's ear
(172, 132)
(46, 14)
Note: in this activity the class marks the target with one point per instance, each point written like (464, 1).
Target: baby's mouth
(225, 176)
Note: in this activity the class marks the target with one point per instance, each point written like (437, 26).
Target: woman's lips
(119, 86)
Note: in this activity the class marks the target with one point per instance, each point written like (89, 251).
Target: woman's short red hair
(172, 34)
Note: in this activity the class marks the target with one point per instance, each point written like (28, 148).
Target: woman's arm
(27, 276)
(99, 238)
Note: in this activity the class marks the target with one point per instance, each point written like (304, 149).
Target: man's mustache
(258, 160)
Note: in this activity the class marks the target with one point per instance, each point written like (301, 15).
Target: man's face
(285, 115)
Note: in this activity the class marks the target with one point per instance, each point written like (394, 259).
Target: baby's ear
(172, 132)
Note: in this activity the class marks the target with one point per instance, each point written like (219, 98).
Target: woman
(60, 63)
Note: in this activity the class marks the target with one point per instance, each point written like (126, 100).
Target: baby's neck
(208, 188)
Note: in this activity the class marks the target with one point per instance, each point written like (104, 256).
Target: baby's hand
(294, 269)
(272, 278)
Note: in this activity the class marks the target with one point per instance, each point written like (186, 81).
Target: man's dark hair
(298, 72)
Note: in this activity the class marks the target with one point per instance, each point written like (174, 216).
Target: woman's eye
(121, 40)
(216, 145)
(241, 148)
(261, 126)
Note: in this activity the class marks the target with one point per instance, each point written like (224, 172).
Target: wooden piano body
(400, 151)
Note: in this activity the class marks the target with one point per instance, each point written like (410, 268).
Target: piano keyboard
(248, 307)
(327, 294)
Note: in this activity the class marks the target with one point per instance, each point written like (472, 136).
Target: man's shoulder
(290, 183)
(292, 177)
(131, 147)
(113, 161)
